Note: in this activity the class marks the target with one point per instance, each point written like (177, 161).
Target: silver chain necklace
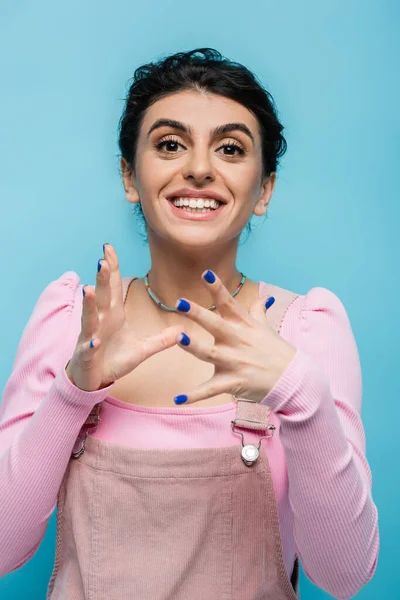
(157, 301)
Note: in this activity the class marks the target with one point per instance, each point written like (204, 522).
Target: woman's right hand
(117, 351)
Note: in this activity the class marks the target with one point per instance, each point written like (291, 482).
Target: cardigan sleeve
(41, 414)
(318, 402)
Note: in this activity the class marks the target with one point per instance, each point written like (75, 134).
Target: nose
(198, 165)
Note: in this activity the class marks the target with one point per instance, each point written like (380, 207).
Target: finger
(156, 343)
(90, 315)
(116, 289)
(259, 308)
(227, 306)
(212, 322)
(207, 353)
(208, 389)
(87, 352)
(103, 290)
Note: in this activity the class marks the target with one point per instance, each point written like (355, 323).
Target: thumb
(260, 307)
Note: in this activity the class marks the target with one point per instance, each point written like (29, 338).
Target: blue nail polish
(180, 399)
(185, 339)
(209, 277)
(99, 265)
(269, 302)
(83, 291)
(183, 306)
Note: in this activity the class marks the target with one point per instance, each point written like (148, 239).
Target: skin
(182, 250)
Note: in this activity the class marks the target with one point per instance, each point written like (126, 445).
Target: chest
(163, 376)
(160, 378)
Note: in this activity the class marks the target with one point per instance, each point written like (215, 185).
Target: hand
(248, 354)
(116, 351)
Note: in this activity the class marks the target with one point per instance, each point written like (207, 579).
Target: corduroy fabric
(168, 524)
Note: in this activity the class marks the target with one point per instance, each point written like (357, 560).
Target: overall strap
(250, 414)
(283, 299)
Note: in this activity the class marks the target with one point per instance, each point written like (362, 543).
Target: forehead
(201, 110)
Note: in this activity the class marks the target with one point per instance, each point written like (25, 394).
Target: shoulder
(59, 295)
(65, 284)
(320, 298)
(324, 309)
(324, 332)
(314, 318)
(52, 315)
(316, 300)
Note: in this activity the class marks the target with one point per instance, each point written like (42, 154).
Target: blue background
(332, 68)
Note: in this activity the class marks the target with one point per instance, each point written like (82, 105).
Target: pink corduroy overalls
(191, 524)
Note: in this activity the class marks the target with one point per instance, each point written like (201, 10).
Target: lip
(191, 193)
(195, 216)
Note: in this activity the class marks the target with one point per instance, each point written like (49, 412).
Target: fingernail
(83, 291)
(269, 302)
(183, 306)
(105, 244)
(209, 277)
(98, 266)
(180, 399)
(185, 340)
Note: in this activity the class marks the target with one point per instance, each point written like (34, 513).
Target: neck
(176, 272)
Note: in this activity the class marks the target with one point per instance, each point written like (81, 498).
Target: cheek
(245, 184)
(150, 175)
(155, 173)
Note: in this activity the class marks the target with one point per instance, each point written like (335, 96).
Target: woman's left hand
(248, 354)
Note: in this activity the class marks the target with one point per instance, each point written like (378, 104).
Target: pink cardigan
(327, 517)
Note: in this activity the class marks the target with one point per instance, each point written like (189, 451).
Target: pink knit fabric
(321, 477)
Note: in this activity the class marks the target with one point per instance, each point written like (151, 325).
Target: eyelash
(242, 152)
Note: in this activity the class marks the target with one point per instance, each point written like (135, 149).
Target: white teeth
(197, 203)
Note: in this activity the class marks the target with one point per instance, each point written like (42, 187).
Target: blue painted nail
(180, 399)
(83, 291)
(99, 265)
(209, 277)
(185, 340)
(183, 306)
(269, 302)
(91, 343)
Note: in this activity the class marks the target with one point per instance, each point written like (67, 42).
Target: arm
(318, 402)
(41, 415)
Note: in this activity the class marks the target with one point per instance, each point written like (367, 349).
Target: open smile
(185, 212)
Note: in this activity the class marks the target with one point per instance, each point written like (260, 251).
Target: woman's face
(198, 160)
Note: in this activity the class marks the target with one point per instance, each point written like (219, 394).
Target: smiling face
(226, 162)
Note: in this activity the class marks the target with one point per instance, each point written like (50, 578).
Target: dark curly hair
(210, 72)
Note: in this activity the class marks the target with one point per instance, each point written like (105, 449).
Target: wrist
(68, 372)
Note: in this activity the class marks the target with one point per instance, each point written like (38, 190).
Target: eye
(234, 146)
(164, 143)
(160, 145)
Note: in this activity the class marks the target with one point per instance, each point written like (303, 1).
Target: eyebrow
(220, 130)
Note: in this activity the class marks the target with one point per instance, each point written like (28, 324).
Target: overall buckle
(250, 452)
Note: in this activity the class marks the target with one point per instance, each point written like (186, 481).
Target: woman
(199, 432)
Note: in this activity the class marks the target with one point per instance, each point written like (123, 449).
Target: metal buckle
(250, 453)
(92, 422)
